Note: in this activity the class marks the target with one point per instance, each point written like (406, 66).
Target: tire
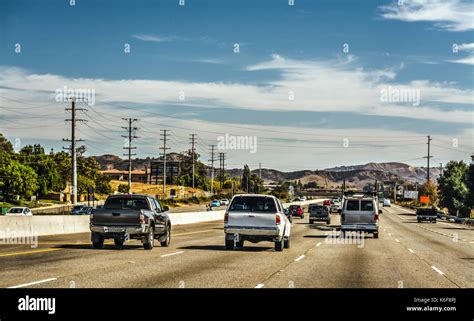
(311, 221)
(167, 241)
(328, 221)
(148, 245)
(118, 242)
(99, 244)
(376, 235)
(287, 243)
(240, 243)
(279, 245)
(343, 234)
(229, 244)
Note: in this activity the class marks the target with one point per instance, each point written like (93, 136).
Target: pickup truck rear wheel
(148, 244)
(118, 242)
(376, 235)
(240, 243)
(287, 243)
(167, 241)
(229, 244)
(279, 245)
(311, 221)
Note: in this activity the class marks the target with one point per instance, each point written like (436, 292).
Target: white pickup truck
(256, 218)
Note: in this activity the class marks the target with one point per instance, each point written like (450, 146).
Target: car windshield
(253, 204)
(126, 203)
(16, 210)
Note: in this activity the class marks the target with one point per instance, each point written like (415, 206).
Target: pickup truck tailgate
(252, 220)
(116, 217)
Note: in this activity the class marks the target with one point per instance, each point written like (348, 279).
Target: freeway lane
(405, 255)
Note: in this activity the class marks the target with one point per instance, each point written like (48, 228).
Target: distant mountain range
(355, 175)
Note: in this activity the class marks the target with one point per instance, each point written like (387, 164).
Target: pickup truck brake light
(278, 219)
(226, 218)
(142, 218)
(376, 217)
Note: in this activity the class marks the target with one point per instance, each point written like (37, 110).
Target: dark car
(81, 210)
(296, 210)
(318, 212)
(126, 217)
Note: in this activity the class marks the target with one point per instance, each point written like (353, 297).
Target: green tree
(122, 188)
(469, 179)
(453, 188)
(245, 182)
(5, 145)
(18, 179)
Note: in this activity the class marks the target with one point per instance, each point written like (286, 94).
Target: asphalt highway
(407, 254)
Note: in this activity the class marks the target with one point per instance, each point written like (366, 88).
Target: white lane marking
(319, 244)
(300, 258)
(176, 253)
(411, 251)
(437, 270)
(32, 283)
(259, 286)
(397, 240)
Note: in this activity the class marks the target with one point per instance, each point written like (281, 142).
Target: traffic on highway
(237, 158)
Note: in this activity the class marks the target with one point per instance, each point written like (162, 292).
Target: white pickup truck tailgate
(252, 219)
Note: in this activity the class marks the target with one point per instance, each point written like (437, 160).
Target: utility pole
(260, 170)
(428, 159)
(440, 168)
(73, 147)
(128, 146)
(193, 153)
(221, 168)
(212, 167)
(164, 148)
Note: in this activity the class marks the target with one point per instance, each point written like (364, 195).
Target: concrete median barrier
(26, 226)
(42, 225)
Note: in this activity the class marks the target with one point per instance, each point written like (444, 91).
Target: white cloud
(469, 48)
(153, 38)
(451, 15)
(323, 86)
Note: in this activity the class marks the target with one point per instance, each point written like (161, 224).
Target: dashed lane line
(31, 283)
(299, 258)
(171, 254)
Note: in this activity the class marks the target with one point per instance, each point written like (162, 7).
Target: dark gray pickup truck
(426, 214)
(126, 217)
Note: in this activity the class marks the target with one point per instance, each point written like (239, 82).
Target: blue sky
(189, 49)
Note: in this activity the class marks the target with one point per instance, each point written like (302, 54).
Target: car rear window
(126, 204)
(367, 206)
(352, 205)
(253, 204)
(16, 210)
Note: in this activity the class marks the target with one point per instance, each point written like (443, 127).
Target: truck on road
(429, 214)
(126, 217)
(256, 218)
